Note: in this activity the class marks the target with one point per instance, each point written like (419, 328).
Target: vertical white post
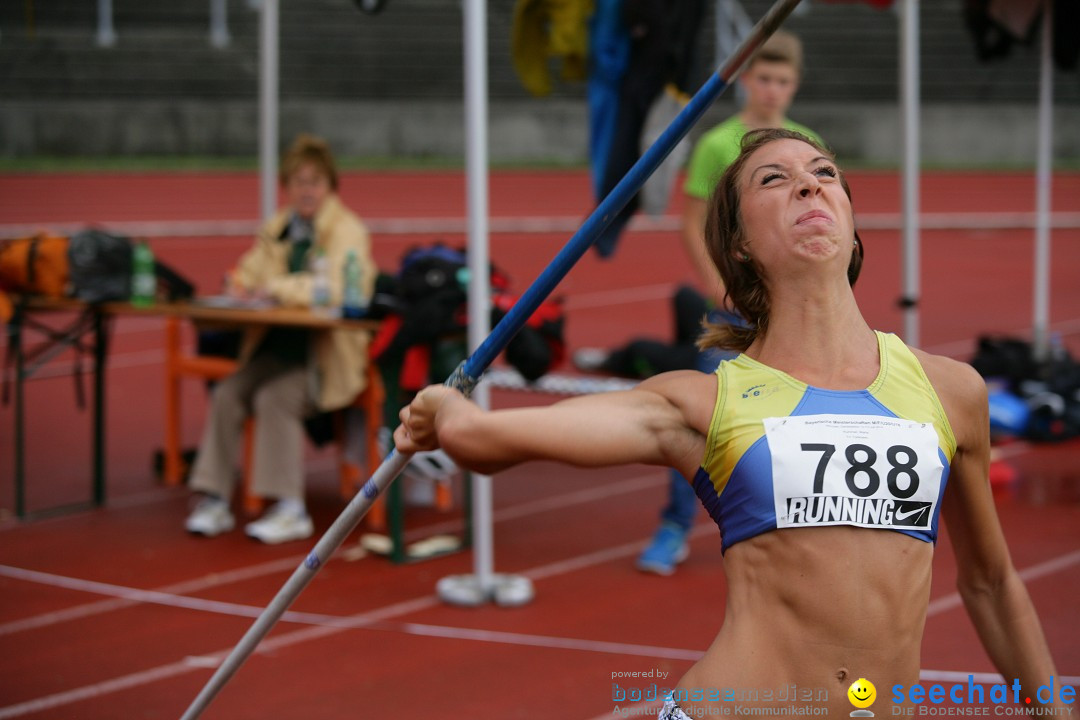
(106, 33)
(219, 23)
(909, 87)
(268, 107)
(476, 175)
(484, 585)
(1043, 181)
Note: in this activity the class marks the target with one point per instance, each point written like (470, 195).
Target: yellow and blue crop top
(781, 453)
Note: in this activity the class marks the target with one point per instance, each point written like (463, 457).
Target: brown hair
(308, 149)
(783, 47)
(745, 290)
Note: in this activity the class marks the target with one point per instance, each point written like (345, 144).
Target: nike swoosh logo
(904, 515)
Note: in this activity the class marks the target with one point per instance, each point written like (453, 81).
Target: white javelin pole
(476, 169)
(1043, 182)
(909, 87)
(268, 107)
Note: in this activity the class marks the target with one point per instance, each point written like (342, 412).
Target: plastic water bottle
(355, 303)
(143, 279)
(320, 281)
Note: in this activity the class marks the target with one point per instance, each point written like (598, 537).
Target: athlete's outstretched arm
(643, 425)
(993, 593)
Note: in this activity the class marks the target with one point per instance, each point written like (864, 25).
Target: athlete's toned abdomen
(819, 608)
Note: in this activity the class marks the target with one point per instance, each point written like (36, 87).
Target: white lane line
(281, 640)
(606, 298)
(86, 692)
(1049, 567)
(597, 299)
(1002, 452)
(620, 296)
(967, 346)
(546, 504)
(158, 597)
(189, 664)
(580, 562)
(189, 586)
(545, 641)
(328, 625)
(287, 564)
(519, 224)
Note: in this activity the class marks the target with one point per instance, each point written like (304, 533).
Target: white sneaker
(281, 524)
(210, 517)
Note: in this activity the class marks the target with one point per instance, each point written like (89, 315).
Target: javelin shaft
(391, 467)
(468, 374)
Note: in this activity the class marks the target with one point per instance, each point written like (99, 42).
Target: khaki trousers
(275, 394)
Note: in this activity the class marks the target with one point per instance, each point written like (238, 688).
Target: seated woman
(824, 451)
(286, 374)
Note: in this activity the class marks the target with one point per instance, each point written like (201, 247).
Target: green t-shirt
(717, 149)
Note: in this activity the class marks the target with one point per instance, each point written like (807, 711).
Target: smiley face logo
(862, 693)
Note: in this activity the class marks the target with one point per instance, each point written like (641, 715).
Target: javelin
(468, 373)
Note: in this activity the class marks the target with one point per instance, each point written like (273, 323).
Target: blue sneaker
(667, 549)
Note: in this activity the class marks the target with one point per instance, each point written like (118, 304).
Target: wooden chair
(179, 365)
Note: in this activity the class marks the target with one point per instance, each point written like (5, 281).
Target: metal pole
(1043, 182)
(483, 585)
(476, 173)
(106, 33)
(219, 23)
(909, 85)
(268, 107)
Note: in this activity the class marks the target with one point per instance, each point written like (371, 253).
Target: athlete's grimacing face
(792, 205)
(862, 693)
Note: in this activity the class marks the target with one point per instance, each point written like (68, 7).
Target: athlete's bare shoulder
(960, 388)
(950, 376)
(693, 392)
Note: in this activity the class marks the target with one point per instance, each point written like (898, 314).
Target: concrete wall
(390, 85)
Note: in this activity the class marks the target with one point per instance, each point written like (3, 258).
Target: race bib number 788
(863, 470)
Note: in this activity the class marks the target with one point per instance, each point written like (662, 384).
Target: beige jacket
(338, 357)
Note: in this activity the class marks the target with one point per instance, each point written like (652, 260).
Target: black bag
(100, 268)
(1007, 358)
(1050, 387)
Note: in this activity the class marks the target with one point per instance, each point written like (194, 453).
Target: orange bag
(35, 265)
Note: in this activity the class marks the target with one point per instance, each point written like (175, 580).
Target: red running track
(78, 643)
